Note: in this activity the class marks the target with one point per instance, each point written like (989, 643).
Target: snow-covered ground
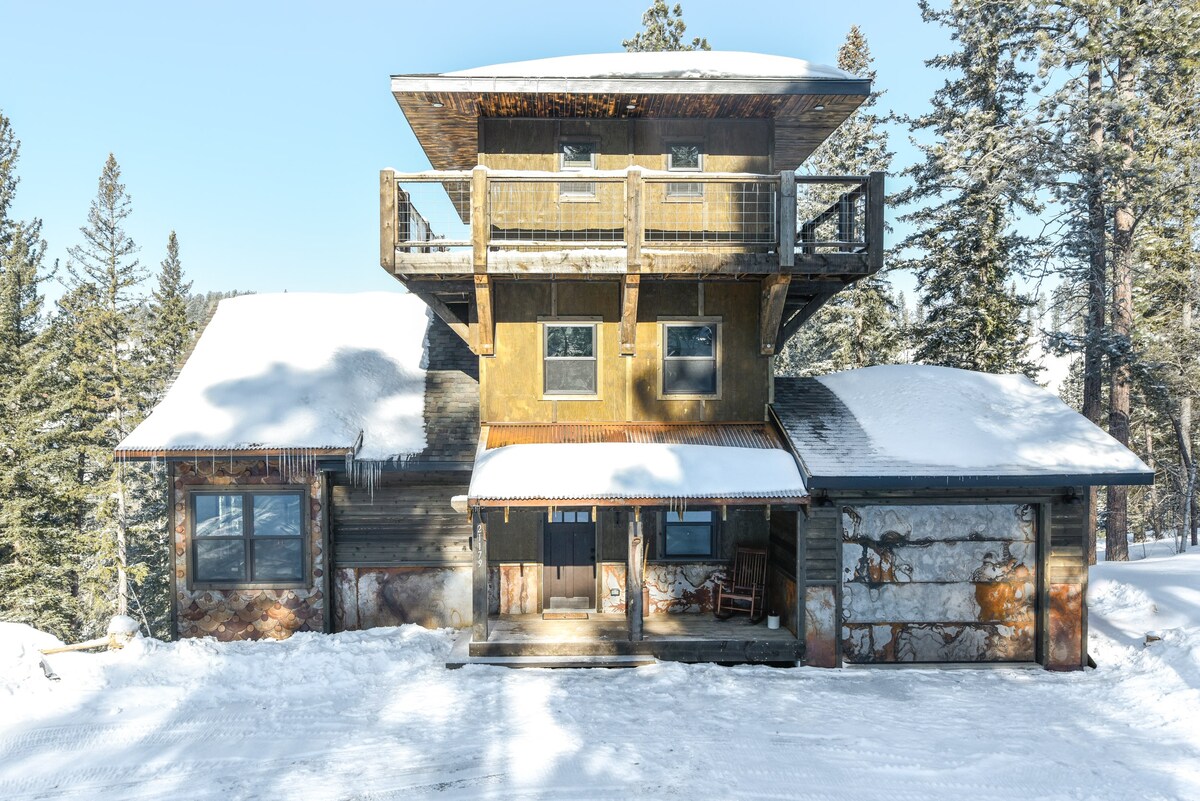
(374, 715)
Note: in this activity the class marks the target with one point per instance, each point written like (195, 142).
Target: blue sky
(257, 130)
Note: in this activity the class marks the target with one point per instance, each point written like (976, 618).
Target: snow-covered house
(567, 428)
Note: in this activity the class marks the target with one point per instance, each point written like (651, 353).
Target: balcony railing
(494, 221)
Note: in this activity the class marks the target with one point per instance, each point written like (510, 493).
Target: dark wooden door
(569, 573)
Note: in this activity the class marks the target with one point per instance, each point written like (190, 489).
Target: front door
(569, 574)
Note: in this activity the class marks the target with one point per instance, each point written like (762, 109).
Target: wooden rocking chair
(744, 588)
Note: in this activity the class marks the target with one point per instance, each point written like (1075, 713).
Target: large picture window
(689, 364)
(248, 537)
(569, 359)
(689, 535)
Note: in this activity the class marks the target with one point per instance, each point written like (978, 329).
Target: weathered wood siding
(820, 533)
(781, 569)
(245, 614)
(1065, 622)
(401, 553)
(628, 386)
(939, 583)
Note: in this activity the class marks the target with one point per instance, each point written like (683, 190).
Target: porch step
(460, 656)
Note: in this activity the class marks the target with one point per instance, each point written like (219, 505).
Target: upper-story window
(569, 359)
(689, 363)
(685, 157)
(575, 155)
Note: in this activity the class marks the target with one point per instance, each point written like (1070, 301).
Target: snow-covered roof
(677, 64)
(920, 426)
(299, 371)
(633, 471)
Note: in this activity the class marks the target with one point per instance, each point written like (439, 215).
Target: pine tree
(108, 390)
(36, 585)
(973, 181)
(663, 29)
(860, 325)
(169, 330)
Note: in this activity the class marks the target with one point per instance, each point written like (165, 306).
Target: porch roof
(538, 465)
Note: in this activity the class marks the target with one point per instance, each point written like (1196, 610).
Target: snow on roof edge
(683, 64)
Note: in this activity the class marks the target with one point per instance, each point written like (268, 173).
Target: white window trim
(663, 325)
(595, 323)
(577, 197)
(674, 192)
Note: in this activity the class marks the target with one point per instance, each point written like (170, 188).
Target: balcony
(455, 224)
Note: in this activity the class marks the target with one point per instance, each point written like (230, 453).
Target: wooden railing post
(479, 579)
(387, 220)
(480, 234)
(875, 221)
(633, 260)
(787, 219)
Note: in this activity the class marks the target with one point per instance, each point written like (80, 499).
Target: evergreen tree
(662, 29)
(169, 329)
(974, 179)
(36, 583)
(104, 355)
(860, 325)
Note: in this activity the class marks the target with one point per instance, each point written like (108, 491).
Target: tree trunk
(1093, 348)
(122, 549)
(1185, 422)
(1121, 379)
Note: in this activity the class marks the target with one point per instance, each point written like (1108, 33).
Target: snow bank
(563, 471)
(299, 370)
(965, 422)
(20, 656)
(680, 64)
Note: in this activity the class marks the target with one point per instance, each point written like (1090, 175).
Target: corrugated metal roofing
(729, 435)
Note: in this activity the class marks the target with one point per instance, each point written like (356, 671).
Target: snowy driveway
(374, 715)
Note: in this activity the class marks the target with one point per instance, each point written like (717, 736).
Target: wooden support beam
(387, 220)
(479, 579)
(800, 317)
(801, 574)
(486, 327)
(633, 219)
(875, 224)
(629, 313)
(480, 224)
(774, 295)
(787, 220)
(445, 314)
(633, 577)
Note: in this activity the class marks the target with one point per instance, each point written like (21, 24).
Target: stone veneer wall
(245, 614)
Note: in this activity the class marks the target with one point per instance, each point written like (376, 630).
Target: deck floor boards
(611, 628)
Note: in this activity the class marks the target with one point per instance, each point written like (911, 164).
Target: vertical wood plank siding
(1066, 580)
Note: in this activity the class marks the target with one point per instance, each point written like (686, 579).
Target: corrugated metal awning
(728, 435)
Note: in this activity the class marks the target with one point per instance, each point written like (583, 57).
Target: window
(690, 358)
(685, 157)
(248, 537)
(575, 156)
(689, 535)
(569, 359)
(571, 517)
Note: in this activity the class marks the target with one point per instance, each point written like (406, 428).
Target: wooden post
(629, 312)
(479, 582)
(486, 339)
(774, 295)
(875, 221)
(387, 220)
(633, 576)
(801, 575)
(787, 220)
(480, 234)
(633, 260)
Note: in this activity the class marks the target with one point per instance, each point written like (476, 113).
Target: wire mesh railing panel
(433, 214)
(831, 217)
(701, 212)
(557, 212)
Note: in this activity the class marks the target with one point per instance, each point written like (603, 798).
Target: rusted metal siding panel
(434, 597)
(1066, 578)
(820, 627)
(939, 583)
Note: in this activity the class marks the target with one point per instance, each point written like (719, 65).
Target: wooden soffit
(444, 111)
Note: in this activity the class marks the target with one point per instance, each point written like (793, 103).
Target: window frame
(666, 323)
(248, 539)
(677, 192)
(590, 196)
(713, 554)
(548, 322)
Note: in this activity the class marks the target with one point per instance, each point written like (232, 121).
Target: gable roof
(923, 427)
(267, 375)
(806, 101)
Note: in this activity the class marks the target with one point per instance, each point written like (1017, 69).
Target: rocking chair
(743, 589)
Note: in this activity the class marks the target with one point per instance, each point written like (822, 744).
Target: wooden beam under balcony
(630, 289)
(485, 337)
(774, 296)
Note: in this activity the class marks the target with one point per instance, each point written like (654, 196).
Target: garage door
(952, 583)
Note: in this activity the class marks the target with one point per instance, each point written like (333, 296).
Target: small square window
(685, 157)
(689, 365)
(569, 359)
(689, 534)
(577, 156)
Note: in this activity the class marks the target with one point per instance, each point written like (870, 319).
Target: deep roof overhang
(444, 110)
(982, 481)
